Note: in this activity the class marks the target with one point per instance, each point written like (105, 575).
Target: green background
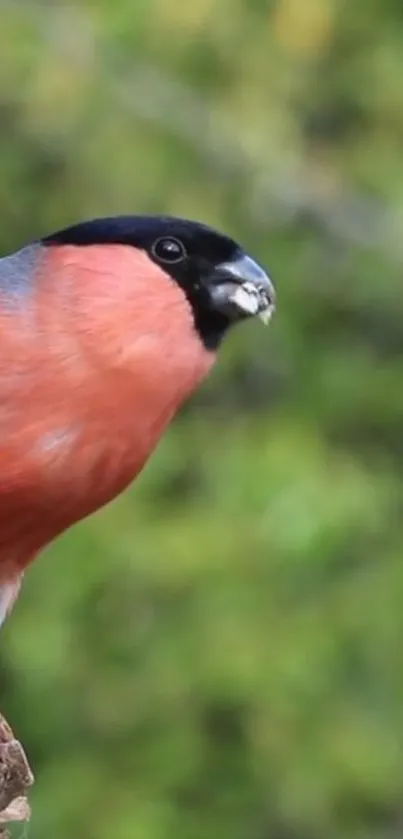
(218, 654)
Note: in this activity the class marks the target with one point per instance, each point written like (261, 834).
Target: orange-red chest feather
(94, 360)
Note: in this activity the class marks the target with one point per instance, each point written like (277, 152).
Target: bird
(106, 328)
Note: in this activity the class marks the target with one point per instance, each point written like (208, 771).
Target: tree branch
(16, 778)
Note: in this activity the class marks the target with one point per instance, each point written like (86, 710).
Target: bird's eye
(168, 249)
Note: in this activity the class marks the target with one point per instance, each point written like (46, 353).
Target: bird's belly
(75, 430)
(50, 479)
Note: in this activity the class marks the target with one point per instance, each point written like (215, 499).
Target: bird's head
(220, 281)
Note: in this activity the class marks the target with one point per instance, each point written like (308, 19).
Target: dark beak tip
(246, 269)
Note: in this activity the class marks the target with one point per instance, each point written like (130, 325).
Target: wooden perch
(15, 779)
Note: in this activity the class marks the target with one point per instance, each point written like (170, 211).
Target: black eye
(168, 249)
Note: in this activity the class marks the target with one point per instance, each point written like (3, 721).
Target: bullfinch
(106, 328)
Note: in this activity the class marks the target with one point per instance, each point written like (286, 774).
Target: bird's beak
(240, 288)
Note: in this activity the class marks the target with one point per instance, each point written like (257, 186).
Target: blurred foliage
(218, 654)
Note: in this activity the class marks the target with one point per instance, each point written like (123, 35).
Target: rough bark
(16, 778)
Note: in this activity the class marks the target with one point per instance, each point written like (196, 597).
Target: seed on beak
(253, 300)
(246, 298)
(266, 314)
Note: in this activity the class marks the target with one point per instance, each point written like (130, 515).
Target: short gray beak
(240, 288)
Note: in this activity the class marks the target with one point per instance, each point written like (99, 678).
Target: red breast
(92, 368)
